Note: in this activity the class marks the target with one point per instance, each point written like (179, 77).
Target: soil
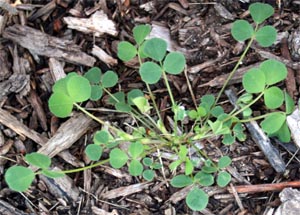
(33, 58)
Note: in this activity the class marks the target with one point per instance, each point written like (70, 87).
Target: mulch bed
(41, 41)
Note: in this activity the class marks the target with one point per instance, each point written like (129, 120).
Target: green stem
(168, 87)
(236, 65)
(95, 118)
(84, 168)
(255, 118)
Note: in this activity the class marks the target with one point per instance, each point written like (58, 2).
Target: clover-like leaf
(174, 63)
(204, 179)
(135, 168)
(155, 48)
(117, 158)
(150, 72)
(273, 122)
(260, 12)
(223, 179)
(93, 75)
(266, 36)
(116, 98)
(147, 161)
(60, 104)
(19, 178)
(228, 139)
(284, 134)
(242, 30)
(123, 107)
(273, 97)
(189, 167)
(181, 181)
(224, 161)
(38, 160)
(289, 103)
(142, 104)
(140, 32)
(126, 51)
(134, 93)
(135, 149)
(274, 71)
(148, 174)
(79, 88)
(93, 152)
(109, 79)
(197, 199)
(101, 137)
(254, 80)
(96, 92)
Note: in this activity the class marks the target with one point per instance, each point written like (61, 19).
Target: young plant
(149, 133)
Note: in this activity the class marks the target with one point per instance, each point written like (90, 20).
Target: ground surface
(200, 29)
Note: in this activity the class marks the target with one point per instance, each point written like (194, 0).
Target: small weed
(150, 134)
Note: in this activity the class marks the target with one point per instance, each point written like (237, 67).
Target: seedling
(150, 134)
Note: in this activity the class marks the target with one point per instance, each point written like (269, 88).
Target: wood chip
(45, 45)
(98, 24)
(103, 56)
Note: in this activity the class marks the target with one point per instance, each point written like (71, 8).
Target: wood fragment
(45, 45)
(223, 12)
(98, 24)
(8, 7)
(261, 139)
(293, 122)
(36, 104)
(125, 191)
(8, 209)
(61, 187)
(56, 69)
(103, 56)
(4, 68)
(258, 188)
(45, 10)
(67, 134)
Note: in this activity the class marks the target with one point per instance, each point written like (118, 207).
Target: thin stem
(84, 168)
(255, 118)
(236, 65)
(168, 87)
(95, 118)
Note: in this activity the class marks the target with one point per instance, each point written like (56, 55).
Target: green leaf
(208, 101)
(273, 122)
(181, 181)
(79, 88)
(37, 159)
(109, 79)
(117, 158)
(174, 63)
(204, 179)
(217, 111)
(246, 98)
(284, 134)
(135, 149)
(254, 80)
(209, 169)
(189, 167)
(157, 165)
(150, 72)
(93, 152)
(155, 48)
(135, 168)
(273, 97)
(19, 178)
(242, 30)
(101, 137)
(193, 114)
(266, 36)
(123, 107)
(140, 32)
(224, 161)
(142, 104)
(60, 104)
(52, 174)
(148, 175)
(175, 164)
(260, 12)
(289, 103)
(96, 93)
(117, 97)
(197, 199)
(228, 139)
(274, 71)
(182, 152)
(93, 75)
(126, 51)
(147, 161)
(134, 94)
(223, 179)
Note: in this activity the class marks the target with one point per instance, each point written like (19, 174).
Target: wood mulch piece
(43, 40)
